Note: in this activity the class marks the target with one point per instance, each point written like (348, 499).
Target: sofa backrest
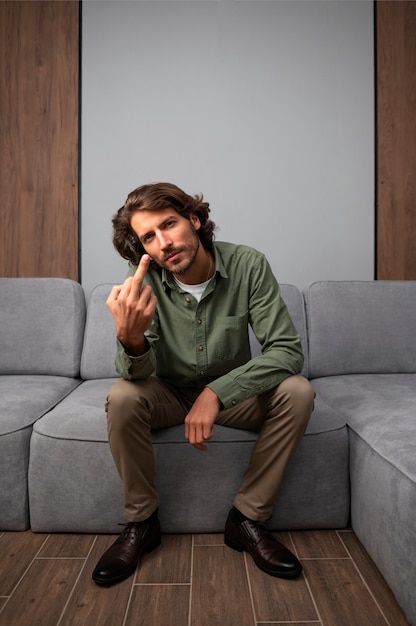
(100, 337)
(99, 351)
(41, 326)
(357, 327)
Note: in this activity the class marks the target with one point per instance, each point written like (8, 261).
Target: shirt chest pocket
(229, 339)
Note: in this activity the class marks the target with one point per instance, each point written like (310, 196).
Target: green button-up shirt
(192, 345)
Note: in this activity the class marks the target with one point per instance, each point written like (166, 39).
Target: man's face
(170, 239)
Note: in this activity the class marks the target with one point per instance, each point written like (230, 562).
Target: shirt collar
(167, 279)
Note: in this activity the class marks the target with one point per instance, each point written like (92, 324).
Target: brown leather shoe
(122, 558)
(268, 554)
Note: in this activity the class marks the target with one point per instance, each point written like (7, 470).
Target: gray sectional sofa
(356, 464)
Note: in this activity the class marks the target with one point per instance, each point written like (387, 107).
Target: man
(183, 354)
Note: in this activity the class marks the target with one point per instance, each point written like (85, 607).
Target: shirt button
(199, 322)
(200, 348)
(202, 373)
(187, 299)
(233, 402)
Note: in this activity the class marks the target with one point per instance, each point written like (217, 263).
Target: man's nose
(165, 241)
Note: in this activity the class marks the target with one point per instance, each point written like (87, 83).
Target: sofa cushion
(361, 327)
(26, 398)
(99, 350)
(78, 490)
(381, 410)
(98, 353)
(41, 326)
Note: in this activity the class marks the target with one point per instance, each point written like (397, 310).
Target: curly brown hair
(158, 196)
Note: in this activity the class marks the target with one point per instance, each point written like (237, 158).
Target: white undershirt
(195, 290)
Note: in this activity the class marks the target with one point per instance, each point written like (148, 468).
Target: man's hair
(158, 196)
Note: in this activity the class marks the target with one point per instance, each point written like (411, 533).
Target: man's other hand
(199, 423)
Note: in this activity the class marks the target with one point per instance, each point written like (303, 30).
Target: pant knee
(122, 405)
(301, 394)
(299, 387)
(120, 395)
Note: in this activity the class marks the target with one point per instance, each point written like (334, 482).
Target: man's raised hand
(133, 306)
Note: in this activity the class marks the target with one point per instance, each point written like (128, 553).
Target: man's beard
(190, 251)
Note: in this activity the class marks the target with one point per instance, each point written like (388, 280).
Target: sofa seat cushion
(78, 489)
(24, 400)
(379, 408)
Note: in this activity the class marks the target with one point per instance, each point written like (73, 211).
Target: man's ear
(195, 221)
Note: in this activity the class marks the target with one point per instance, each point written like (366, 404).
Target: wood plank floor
(192, 580)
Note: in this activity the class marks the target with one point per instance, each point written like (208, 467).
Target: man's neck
(202, 269)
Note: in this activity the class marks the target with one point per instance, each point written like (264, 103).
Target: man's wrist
(212, 393)
(133, 349)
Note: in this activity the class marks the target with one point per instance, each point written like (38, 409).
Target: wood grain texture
(66, 546)
(220, 592)
(159, 604)
(169, 564)
(336, 586)
(17, 552)
(91, 604)
(43, 599)
(39, 59)
(375, 581)
(396, 140)
(323, 545)
(191, 580)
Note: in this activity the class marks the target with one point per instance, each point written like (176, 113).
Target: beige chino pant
(135, 408)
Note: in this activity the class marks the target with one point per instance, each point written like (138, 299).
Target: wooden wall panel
(39, 68)
(396, 140)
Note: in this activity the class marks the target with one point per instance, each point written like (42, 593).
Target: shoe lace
(255, 530)
(131, 529)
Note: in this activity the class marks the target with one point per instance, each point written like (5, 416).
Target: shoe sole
(107, 583)
(239, 548)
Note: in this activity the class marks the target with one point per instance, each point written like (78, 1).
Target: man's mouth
(173, 256)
